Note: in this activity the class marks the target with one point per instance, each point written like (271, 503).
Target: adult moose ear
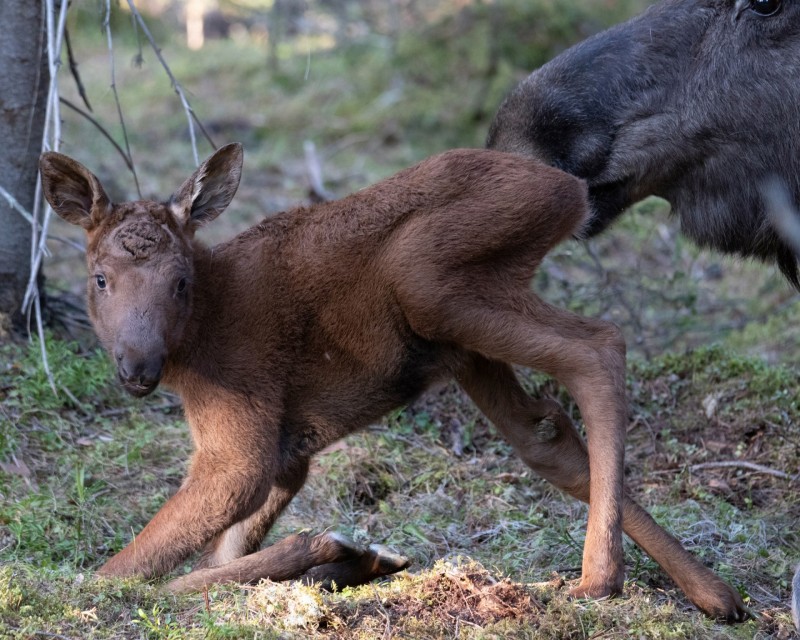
(210, 189)
(72, 190)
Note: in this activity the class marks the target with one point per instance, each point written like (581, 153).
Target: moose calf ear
(72, 190)
(210, 189)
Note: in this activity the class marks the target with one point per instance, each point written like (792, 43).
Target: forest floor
(713, 447)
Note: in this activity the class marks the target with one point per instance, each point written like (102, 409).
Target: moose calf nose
(138, 375)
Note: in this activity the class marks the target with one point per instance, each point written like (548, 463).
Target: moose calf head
(140, 257)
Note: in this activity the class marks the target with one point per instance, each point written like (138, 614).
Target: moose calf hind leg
(285, 560)
(546, 440)
(588, 357)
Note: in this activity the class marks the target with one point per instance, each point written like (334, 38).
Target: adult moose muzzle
(695, 101)
(318, 321)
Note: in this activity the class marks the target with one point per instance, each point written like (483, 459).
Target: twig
(387, 631)
(75, 401)
(314, 172)
(47, 634)
(37, 303)
(190, 115)
(744, 464)
(796, 598)
(783, 215)
(70, 243)
(566, 570)
(73, 67)
(107, 27)
(105, 133)
(52, 132)
(14, 204)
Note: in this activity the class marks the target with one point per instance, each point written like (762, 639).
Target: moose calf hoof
(338, 546)
(721, 602)
(595, 590)
(375, 562)
(387, 561)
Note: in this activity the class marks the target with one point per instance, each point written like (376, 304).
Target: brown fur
(318, 321)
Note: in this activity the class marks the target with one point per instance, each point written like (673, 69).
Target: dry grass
(432, 482)
(78, 477)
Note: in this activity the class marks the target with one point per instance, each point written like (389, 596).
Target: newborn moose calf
(316, 322)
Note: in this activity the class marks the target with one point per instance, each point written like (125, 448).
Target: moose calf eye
(181, 285)
(101, 281)
(766, 7)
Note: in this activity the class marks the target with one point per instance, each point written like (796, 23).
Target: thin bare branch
(190, 115)
(102, 130)
(16, 206)
(54, 34)
(743, 464)
(317, 189)
(70, 243)
(107, 27)
(37, 302)
(50, 139)
(73, 67)
(203, 130)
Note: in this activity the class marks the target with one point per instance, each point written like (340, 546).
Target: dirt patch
(448, 595)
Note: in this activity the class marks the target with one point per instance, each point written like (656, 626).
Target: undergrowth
(434, 482)
(493, 547)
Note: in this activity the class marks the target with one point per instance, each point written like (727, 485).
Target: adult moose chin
(695, 101)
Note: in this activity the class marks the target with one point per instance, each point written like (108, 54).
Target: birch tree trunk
(24, 80)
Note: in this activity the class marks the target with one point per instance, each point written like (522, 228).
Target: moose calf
(316, 322)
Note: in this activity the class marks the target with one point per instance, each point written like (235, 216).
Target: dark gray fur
(696, 101)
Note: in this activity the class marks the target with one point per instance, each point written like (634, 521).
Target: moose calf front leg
(245, 537)
(287, 559)
(219, 491)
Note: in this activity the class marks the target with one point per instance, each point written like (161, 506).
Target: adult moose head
(318, 321)
(695, 101)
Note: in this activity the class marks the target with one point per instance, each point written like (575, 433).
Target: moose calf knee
(609, 345)
(600, 363)
(547, 441)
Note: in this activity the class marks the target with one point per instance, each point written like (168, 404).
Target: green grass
(83, 469)
(101, 477)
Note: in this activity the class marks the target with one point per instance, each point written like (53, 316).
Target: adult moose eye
(181, 285)
(766, 7)
(101, 281)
